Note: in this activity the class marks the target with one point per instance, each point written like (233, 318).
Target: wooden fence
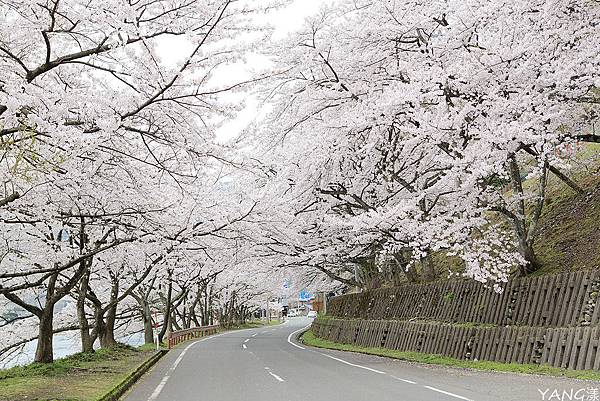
(567, 347)
(568, 299)
(179, 336)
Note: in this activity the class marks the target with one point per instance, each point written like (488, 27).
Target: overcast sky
(285, 21)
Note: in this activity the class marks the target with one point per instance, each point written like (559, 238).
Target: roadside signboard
(305, 296)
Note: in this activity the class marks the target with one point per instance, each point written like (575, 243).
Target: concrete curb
(132, 378)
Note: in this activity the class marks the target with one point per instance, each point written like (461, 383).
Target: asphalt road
(266, 364)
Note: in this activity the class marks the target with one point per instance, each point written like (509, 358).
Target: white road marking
(276, 377)
(297, 331)
(159, 388)
(180, 357)
(404, 380)
(447, 393)
(370, 369)
(177, 361)
(164, 380)
(353, 364)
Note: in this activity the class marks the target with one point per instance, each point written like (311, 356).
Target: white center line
(247, 339)
(254, 335)
(180, 357)
(447, 393)
(244, 345)
(404, 380)
(352, 364)
(158, 388)
(276, 377)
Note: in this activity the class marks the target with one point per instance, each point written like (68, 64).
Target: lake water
(63, 345)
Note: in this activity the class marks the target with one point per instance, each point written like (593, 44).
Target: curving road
(267, 364)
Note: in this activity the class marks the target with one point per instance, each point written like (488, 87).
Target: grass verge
(81, 377)
(252, 324)
(310, 339)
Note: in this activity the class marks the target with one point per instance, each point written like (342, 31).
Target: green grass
(569, 228)
(252, 324)
(82, 376)
(325, 318)
(568, 237)
(310, 339)
(569, 231)
(151, 347)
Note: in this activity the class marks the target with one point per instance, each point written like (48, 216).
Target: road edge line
(353, 364)
(166, 378)
(289, 339)
(448, 393)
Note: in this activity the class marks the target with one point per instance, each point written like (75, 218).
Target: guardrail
(180, 336)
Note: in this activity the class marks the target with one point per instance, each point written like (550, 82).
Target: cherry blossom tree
(392, 131)
(104, 144)
(397, 122)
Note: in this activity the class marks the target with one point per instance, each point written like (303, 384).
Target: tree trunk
(190, 316)
(429, 273)
(99, 325)
(142, 299)
(44, 352)
(107, 340)
(167, 311)
(195, 318)
(209, 306)
(533, 264)
(205, 316)
(87, 342)
(173, 321)
(526, 233)
(411, 273)
(405, 268)
(148, 330)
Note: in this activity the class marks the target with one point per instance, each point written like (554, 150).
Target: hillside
(569, 235)
(569, 230)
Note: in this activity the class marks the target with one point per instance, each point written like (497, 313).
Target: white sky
(285, 21)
